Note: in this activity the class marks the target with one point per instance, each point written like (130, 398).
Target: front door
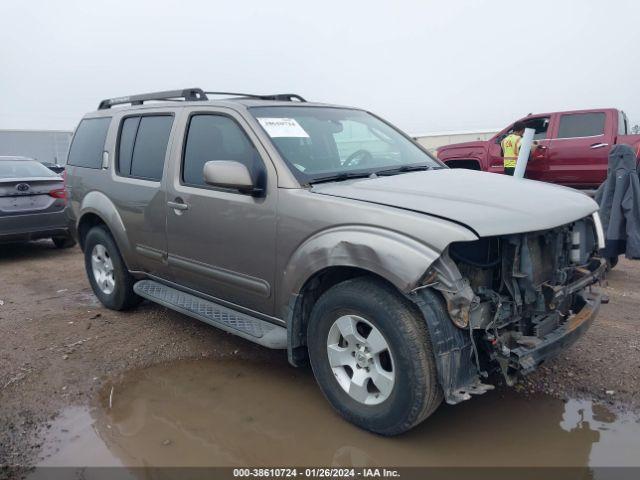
(222, 242)
(536, 164)
(579, 151)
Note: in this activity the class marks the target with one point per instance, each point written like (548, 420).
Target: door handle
(599, 145)
(178, 205)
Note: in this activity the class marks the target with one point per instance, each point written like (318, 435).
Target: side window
(540, 125)
(88, 143)
(623, 127)
(215, 137)
(581, 125)
(142, 146)
(128, 134)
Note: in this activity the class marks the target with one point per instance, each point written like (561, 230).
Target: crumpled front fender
(395, 257)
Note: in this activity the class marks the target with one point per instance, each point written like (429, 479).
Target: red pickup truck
(572, 147)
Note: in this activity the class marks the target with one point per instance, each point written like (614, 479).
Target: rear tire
(63, 242)
(612, 262)
(381, 320)
(108, 275)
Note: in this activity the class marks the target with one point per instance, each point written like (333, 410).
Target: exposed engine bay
(519, 299)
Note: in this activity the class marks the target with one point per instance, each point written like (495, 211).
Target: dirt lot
(59, 345)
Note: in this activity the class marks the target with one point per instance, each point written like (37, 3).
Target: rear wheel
(63, 242)
(371, 355)
(108, 275)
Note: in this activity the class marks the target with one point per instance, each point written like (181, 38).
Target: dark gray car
(325, 231)
(32, 203)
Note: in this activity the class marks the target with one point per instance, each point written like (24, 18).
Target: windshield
(24, 169)
(321, 143)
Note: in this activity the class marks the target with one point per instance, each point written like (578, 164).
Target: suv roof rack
(189, 95)
(280, 97)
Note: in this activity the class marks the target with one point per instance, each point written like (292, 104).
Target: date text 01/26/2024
(315, 473)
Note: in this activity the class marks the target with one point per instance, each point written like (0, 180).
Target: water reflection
(234, 413)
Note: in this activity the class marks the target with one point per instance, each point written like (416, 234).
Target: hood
(488, 203)
(475, 143)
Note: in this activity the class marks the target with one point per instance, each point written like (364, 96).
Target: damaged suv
(327, 232)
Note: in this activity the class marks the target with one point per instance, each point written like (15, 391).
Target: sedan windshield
(24, 169)
(326, 143)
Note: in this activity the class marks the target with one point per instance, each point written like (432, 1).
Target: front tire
(108, 275)
(371, 354)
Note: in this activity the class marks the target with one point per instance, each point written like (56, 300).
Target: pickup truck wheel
(108, 275)
(371, 355)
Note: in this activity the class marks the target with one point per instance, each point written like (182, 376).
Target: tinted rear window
(581, 125)
(88, 143)
(143, 146)
(125, 150)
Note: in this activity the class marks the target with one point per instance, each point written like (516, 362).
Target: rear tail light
(59, 193)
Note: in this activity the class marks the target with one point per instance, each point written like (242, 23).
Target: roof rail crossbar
(187, 94)
(282, 97)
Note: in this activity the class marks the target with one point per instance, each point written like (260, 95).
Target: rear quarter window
(88, 143)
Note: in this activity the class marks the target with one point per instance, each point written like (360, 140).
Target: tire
(612, 262)
(415, 393)
(116, 290)
(63, 242)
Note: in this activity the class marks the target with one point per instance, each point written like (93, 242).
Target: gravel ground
(59, 345)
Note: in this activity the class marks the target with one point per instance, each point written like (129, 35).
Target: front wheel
(108, 275)
(371, 355)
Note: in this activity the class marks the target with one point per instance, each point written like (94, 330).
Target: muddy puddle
(235, 413)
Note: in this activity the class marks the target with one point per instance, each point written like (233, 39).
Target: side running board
(246, 326)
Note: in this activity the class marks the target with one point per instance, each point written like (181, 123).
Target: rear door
(579, 150)
(141, 152)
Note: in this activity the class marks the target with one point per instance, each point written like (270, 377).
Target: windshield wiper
(404, 169)
(338, 177)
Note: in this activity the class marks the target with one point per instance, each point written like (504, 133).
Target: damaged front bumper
(465, 355)
(525, 359)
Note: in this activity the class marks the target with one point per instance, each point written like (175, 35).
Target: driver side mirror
(230, 174)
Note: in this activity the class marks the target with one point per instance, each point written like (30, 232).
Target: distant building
(42, 145)
(431, 141)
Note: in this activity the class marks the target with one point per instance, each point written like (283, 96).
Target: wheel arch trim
(98, 204)
(394, 256)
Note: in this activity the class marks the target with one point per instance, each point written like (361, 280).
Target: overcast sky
(426, 66)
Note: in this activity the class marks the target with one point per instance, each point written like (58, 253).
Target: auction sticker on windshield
(283, 127)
